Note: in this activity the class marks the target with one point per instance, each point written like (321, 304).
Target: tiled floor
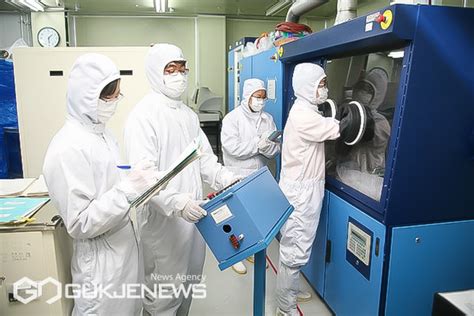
(231, 294)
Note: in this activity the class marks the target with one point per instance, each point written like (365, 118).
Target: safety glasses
(175, 68)
(116, 99)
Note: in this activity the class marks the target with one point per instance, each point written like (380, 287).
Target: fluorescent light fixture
(409, 2)
(278, 7)
(32, 4)
(396, 54)
(161, 6)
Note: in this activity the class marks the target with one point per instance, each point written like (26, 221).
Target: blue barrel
(11, 138)
(3, 157)
(8, 116)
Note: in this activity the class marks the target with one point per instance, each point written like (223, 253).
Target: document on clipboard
(275, 136)
(18, 210)
(23, 187)
(190, 154)
(14, 187)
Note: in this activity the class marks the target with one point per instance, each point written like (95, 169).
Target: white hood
(159, 55)
(306, 78)
(250, 87)
(89, 75)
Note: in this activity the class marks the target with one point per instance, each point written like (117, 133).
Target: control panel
(359, 245)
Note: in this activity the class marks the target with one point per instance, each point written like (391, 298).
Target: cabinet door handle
(328, 251)
(377, 246)
(228, 196)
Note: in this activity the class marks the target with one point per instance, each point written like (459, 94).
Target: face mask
(176, 84)
(105, 110)
(257, 104)
(322, 95)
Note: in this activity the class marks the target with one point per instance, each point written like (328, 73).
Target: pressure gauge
(48, 37)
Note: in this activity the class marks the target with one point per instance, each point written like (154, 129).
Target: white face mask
(257, 104)
(322, 95)
(176, 84)
(106, 109)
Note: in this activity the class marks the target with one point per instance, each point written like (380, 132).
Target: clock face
(48, 37)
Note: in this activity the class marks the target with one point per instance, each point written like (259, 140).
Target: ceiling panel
(233, 8)
(5, 6)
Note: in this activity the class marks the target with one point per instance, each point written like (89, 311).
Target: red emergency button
(381, 18)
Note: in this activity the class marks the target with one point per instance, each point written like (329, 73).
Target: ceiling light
(32, 4)
(396, 54)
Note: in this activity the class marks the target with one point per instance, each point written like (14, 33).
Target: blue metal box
(244, 219)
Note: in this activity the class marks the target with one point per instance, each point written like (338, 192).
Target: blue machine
(242, 220)
(392, 235)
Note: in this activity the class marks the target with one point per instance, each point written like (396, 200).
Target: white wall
(12, 27)
(211, 67)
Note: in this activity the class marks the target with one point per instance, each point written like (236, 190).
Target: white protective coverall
(159, 128)
(84, 184)
(302, 179)
(242, 131)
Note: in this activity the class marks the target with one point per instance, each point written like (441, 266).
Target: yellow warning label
(280, 51)
(388, 20)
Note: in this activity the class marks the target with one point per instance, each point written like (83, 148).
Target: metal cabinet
(352, 286)
(37, 251)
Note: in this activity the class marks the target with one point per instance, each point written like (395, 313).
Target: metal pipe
(21, 26)
(346, 10)
(301, 7)
(72, 30)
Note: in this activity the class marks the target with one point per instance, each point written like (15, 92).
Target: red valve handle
(234, 241)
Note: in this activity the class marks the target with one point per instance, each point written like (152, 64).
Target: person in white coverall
(244, 136)
(85, 185)
(302, 178)
(159, 128)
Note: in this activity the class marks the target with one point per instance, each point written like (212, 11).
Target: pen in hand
(124, 167)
